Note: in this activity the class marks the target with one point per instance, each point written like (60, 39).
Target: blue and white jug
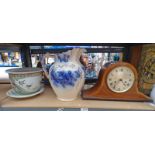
(66, 75)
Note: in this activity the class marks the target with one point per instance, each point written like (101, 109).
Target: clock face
(120, 79)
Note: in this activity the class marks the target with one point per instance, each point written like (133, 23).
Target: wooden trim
(135, 55)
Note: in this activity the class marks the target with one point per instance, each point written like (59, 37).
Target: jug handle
(44, 65)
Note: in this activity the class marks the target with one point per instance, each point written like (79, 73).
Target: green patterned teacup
(25, 80)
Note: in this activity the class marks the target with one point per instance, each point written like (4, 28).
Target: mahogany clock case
(101, 90)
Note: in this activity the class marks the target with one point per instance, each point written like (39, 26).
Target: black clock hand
(123, 83)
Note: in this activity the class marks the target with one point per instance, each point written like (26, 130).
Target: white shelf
(48, 100)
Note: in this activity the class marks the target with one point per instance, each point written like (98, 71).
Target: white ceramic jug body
(66, 75)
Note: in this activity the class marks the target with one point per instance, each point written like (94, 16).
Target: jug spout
(76, 53)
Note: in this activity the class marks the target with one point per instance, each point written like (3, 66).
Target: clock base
(88, 96)
(99, 92)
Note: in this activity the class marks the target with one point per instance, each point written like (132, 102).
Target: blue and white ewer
(66, 75)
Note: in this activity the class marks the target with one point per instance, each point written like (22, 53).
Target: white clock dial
(120, 79)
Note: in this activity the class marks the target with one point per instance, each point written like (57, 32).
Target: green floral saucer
(12, 93)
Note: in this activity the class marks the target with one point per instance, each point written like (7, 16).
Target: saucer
(12, 93)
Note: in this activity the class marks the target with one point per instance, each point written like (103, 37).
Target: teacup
(25, 80)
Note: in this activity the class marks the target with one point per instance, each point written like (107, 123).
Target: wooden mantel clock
(117, 82)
